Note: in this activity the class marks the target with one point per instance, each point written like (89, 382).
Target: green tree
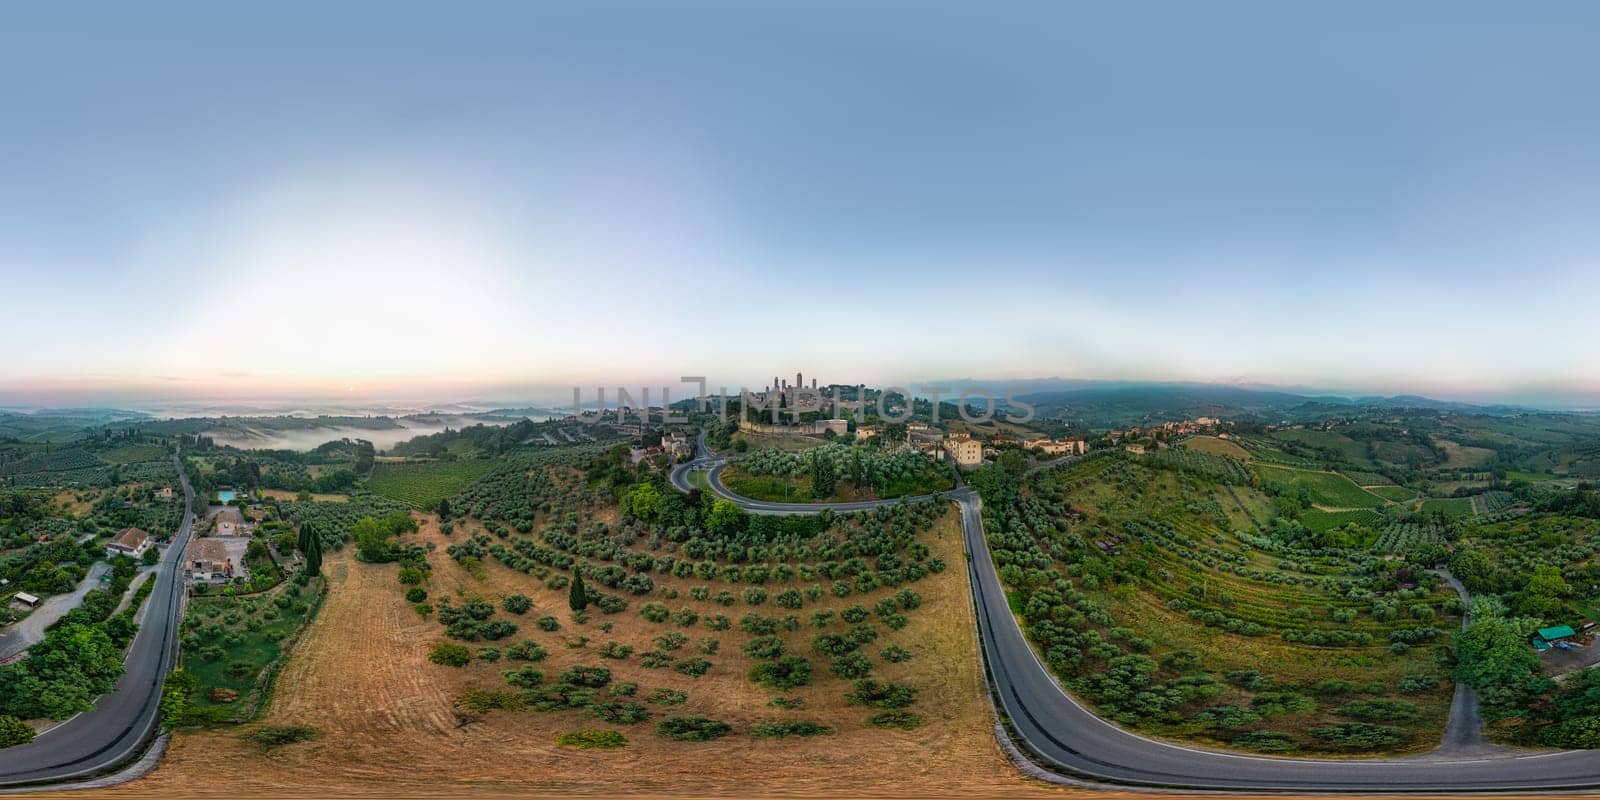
(14, 731)
(725, 519)
(151, 557)
(577, 595)
(444, 508)
(1541, 597)
(313, 555)
(822, 477)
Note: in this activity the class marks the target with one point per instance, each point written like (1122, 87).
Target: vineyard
(1221, 469)
(1452, 507)
(1327, 489)
(1406, 537)
(422, 484)
(1490, 502)
(1368, 479)
(1329, 520)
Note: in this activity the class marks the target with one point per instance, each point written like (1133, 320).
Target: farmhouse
(131, 542)
(207, 561)
(165, 493)
(1057, 446)
(1135, 449)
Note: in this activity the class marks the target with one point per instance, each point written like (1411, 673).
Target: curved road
(122, 722)
(1060, 734)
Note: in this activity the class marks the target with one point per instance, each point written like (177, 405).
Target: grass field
(1343, 446)
(422, 484)
(1328, 489)
(1215, 446)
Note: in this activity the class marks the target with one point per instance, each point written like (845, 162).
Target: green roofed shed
(1557, 632)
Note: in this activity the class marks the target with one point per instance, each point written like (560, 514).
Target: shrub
(484, 701)
(1417, 684)
(896, 718)
(524, 677)
(1360, 736)
(547, 624)
(782, 674)
(615, 650)
(655, 612)
(853, 665)
(787, 728)
(693, 667)
(619, 713)
(668, 697)
(450, 655)
(1379, 710)
(881, 694)
(1267, 742)
(670, 641)
(1274, 703)
(14, 731)
(416, 594)
(767, 647)
(517, 603)
(692, 729)
(591, 739)
(527, 651)
(490, 654)
(895, 654)
(592, 677)
(271, 736)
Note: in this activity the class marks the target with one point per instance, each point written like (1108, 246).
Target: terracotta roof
(130, 538)
(211, 551)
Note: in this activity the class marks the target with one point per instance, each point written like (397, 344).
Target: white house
(131, 542)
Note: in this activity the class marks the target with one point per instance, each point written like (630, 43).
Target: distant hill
(1119, 404)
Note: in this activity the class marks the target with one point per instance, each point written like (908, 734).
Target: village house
(964, 450)
(1057, 446)
(207, 561)
(131, 542)
(676, 444)
(164, 493)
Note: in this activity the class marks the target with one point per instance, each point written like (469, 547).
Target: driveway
(30, 631)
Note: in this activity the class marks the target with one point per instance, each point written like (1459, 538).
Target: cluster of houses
(1188, 427)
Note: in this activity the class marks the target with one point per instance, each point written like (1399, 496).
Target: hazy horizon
(307, 203)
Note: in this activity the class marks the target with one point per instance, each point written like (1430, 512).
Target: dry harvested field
(390, 727)
(1215, 446)
(281, 494)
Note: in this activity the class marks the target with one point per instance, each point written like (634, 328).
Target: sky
(501, 201)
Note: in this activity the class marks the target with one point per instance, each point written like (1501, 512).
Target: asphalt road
(123, 721)
(1063, 736)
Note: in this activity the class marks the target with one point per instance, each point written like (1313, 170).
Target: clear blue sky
(480, 199)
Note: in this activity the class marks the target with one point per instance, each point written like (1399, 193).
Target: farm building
(131, 542)
(207, 561)
(1554, 636)
(25, 600)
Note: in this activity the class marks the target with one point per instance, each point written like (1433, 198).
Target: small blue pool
(225, 497)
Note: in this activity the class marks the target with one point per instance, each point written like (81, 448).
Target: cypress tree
(577, 596)
(314, 555)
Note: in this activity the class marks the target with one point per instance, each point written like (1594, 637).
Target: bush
(14, 731)
(1360, 736)
(881, 695)
(896, 718)
(655, 612)
(517, 603)
(693, 667)
(1267, 742)
(590, 739)
(668, 697)
(582, 675)
(527, 651)
(524, 677)
(853, 665)
(1417, 684)
(483, 701)
(785, 729)
(764, 647)
(450, 655)
(692, 729)
(782, 674)
(895, 654)
(547, 624)
(1578, 733)
(1275, 703)
(271, 736)
(416, 594)
(619, 713)
(1379, 710)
